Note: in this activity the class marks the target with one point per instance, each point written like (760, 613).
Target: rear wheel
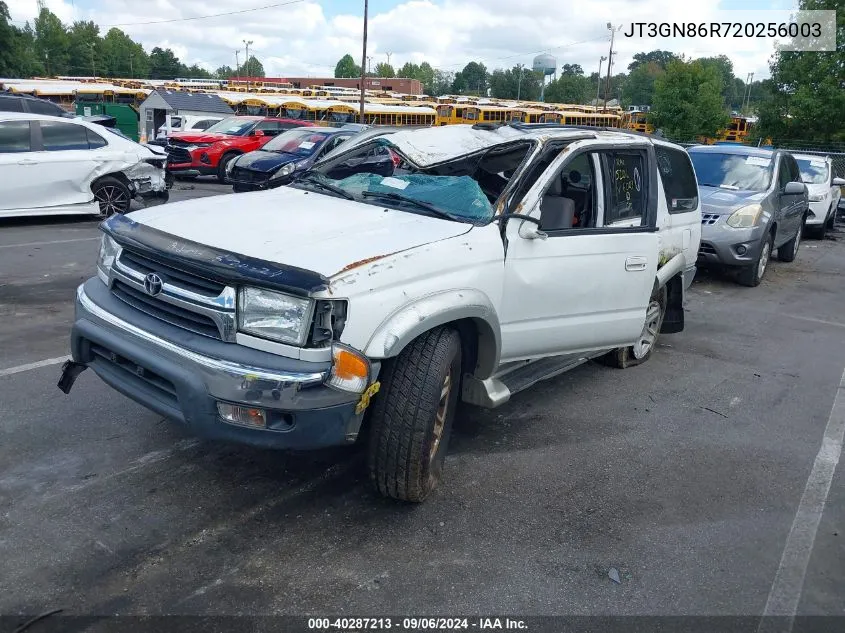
(752, 275)
(412, 416)
(787, 252)
(640, 351)
(112, 196)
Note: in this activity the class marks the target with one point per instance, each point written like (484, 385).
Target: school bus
(380, 114)
(593, 119)
(637, 120)
(527, 115)
(487, 114)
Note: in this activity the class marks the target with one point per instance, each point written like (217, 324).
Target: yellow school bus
(527, 115)
(380, 114)
(487, 114)
(450, 114)
(637, 120)
(592, 119)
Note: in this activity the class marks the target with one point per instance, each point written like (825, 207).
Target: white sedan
(823, 188)
(57, 166)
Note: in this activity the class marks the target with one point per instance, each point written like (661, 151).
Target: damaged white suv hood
(300, 228)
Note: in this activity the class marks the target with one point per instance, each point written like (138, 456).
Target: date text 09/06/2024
(416, 624)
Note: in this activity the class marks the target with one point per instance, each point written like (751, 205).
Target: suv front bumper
(183, 376)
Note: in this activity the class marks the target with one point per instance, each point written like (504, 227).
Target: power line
(205, 17)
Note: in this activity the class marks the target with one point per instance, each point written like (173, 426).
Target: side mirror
(794, 188)
(258, 133)
(839, 182)
(531, 231)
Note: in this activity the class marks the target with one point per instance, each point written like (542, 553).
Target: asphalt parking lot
(685, 475)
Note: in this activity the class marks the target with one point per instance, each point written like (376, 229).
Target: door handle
(636, 263)
(27, 161)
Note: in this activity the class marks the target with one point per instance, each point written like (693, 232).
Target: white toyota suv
(368, 297)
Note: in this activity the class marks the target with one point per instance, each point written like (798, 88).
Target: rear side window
(204, 125)
(94, 140)
(60, 137)
(11, 105)
(14, 137)
(44, 107)
(794, 172)
(678, 178)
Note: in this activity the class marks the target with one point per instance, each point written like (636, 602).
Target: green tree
(409, 71)
(384, 70)
(51, 42)
(569, 88)
(459, 84)
(164, 64)
(442, 84)
(426, 77)
(252, 68)
(572, 69)
(224, 72)
(807, 96)
(506, 84)
(85, 49)
(687, 101)
(661, 58)
(639, 87)
(724, 66)
(347, 68)
(474, 77)
(123, 57)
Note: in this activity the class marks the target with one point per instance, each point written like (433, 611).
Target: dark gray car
(753, 203)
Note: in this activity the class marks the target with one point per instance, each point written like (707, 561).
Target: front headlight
(274, 315)
(286, 170)
(109, 250)
(745, 217)
(817, 197)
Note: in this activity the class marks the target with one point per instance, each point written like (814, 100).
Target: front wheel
(640, 351)
(112, 196)
(412, 416)
(789, 251)
(752, 275)
(221, 166)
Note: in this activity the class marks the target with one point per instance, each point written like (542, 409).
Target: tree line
(47, 47)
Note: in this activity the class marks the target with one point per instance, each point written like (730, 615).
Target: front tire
(752, 275)
(641, 350)
(221, 166)
(789, 251)
(412, 416)
(112, 196)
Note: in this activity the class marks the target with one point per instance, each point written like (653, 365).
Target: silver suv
(753, 203)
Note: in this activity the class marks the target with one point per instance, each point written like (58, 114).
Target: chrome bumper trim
(229, 368)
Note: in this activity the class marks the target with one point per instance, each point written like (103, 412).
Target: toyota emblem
(153, 284)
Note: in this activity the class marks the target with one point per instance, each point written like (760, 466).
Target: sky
(308, 37)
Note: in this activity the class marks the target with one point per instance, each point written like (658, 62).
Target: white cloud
(301, 39)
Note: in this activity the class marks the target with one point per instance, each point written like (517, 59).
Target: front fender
(412, 319)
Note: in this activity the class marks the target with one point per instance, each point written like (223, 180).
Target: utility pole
(131, 70)
(747, 101)
(246, 63)
(519, 82)
(609, 62)
(237, 67)
(93, 68)
(369, 64)
(388, 58)
(361, 118)
(598, 82)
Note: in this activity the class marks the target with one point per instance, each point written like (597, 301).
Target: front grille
(706, 249)
(188, 301)
(178, 154)
(188, 281)
(249, 176)
(191, 321)
(709, 218)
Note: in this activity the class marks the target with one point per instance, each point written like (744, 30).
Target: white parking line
(78, 239)
(785, 593)
(41, 363)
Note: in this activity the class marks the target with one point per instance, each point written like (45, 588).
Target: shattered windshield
(813, 172)
(732, 171)
(301, 142)
(464, 189)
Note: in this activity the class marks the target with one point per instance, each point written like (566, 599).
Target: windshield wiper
(430, 208)
(314, 178)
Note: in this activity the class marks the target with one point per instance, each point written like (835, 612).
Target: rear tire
(112, 196)
(752, 275)
(412, 416)
(640, 352)
(789, 251)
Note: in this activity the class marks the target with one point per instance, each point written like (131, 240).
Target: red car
(206, 153)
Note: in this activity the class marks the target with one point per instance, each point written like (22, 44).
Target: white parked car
(187, 123)
(379, 288)
(56, 166)
(823, 189)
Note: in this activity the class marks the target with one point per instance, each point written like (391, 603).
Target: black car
(278, 160)
(32, 105)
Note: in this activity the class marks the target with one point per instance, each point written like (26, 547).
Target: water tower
(545, 65)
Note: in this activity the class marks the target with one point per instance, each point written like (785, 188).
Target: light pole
(93, 68)
(748, 97)
(363, 65)
(609, 61)
(237, 67)
(519, 82)
(598, 81)
(246, 62)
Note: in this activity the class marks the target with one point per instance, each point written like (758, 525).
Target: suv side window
(204, 124)
(15, 137)
(60, 137)
(95, 141)
(783, 172)
(678, 178)
(11, 104)
(794, 171)
(625, 188)
(36, 106)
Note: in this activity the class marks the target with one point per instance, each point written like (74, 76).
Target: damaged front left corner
(70, 372)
